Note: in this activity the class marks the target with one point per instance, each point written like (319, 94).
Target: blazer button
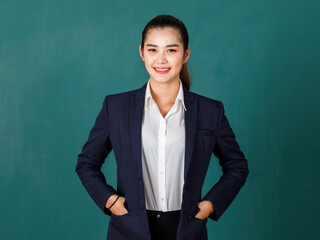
(189, 218)
(186, 187)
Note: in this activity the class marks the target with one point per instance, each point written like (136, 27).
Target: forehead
(163, 36)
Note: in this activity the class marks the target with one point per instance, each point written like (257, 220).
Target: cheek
(149, 61)
(148, 66)
(177, 65)
(177, 62)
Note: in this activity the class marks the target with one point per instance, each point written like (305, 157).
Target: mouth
(162, 70)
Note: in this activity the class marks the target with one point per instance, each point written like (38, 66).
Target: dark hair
(162, 21)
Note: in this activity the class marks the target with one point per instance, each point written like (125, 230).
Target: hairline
(166, 26)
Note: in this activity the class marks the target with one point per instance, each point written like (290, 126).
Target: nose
(162, 57)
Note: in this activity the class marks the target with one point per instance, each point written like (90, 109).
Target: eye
(172, 50)
(151, 50)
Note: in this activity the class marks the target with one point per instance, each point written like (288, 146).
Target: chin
(163, 79)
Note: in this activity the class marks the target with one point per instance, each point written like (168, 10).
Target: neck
(164, 91)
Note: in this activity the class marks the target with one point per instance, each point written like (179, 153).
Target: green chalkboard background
(59, 59)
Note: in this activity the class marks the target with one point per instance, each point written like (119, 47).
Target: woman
(163, 137)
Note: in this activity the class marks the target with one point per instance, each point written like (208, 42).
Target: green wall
(58, 59)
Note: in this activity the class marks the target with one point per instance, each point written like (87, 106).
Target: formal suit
(118, 127)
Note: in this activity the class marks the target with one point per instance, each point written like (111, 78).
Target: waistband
(175, 212)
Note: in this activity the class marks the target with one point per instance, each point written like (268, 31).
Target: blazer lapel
(136, 112)
(190, 121)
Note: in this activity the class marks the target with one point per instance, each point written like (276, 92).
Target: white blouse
(163, 152)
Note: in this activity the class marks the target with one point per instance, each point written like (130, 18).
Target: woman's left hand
(206, 208)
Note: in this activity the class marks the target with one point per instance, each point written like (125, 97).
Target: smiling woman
(164, 55)
(163, 160)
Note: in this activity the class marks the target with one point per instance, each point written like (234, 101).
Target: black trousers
(163, 225)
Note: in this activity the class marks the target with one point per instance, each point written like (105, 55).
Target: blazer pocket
(125, 204)
(209, 132)
(203, 220)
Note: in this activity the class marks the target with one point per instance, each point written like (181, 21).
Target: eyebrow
(171, 45)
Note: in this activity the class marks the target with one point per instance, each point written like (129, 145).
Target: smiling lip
(161, 70)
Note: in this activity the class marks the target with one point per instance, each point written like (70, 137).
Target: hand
(206, 208)
(118, 208)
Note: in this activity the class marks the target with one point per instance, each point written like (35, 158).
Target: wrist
(111, 200)
(113, 203)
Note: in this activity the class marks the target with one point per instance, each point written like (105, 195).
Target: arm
(90, 160)
(234, 166)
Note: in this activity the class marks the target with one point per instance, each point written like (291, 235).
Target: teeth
(162, 69)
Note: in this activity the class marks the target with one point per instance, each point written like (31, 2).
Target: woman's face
(163, 54)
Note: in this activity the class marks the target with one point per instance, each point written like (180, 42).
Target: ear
(186, 55)
(141, 53)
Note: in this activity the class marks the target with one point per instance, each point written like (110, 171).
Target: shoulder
(124, 96)
(121, 95)
(205, 102)
(209, 110)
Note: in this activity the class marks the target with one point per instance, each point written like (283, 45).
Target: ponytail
(184, 76)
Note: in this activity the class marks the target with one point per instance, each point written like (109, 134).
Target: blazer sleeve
(93, 155)
(234, 167)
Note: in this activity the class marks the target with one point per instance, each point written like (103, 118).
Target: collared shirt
(163, 152)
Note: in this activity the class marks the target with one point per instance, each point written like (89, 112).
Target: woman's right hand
(118, 208)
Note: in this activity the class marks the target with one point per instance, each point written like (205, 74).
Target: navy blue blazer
(118, 127)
